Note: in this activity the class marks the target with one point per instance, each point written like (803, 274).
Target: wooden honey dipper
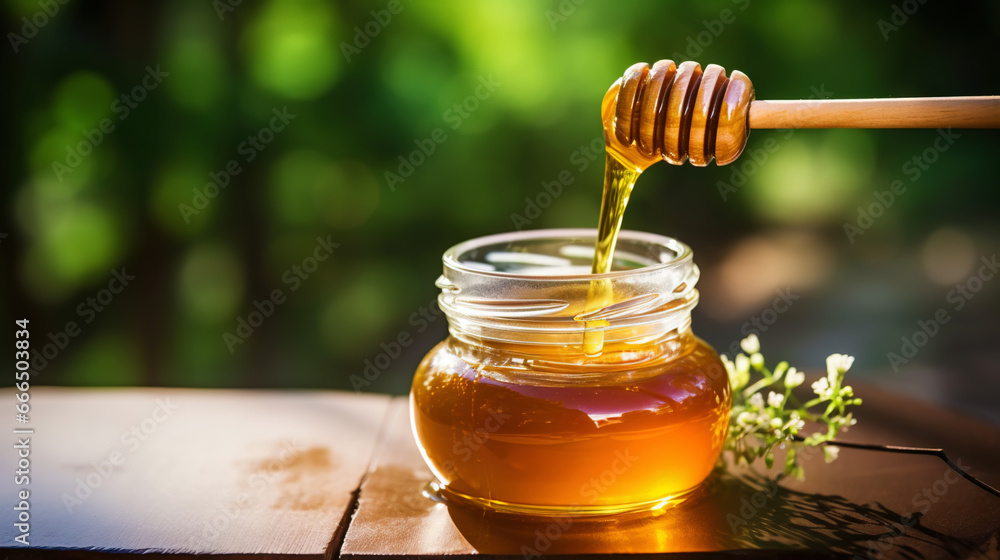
(679, 113)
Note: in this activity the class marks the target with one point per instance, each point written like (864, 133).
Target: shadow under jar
(514, 413)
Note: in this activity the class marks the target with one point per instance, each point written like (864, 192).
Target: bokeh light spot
(292, 48)
(757, 268)
(801, 28)
(809, 180)
(359, 312)
(948, 255)
(79, 240)
(82, 99)
(51, 160)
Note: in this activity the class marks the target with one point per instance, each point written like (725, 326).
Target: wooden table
(328, 474)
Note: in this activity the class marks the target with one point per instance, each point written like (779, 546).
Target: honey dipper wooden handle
(907, 112)
(681, 113)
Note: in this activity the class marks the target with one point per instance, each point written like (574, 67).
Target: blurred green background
(369, 83)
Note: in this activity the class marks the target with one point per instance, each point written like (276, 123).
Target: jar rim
(452, 256)
(535, 287)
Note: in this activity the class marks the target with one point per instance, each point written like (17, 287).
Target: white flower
(756, 401)
(795, 423)
(776, 423)
(822, 388)
(837, 365)
(738, 378)
(750, 344)
(746, 419)
(742, 363)
(830, 453)
(775, 399)
(729, 365)
(757, 360)
(794, 378)
(846, 421)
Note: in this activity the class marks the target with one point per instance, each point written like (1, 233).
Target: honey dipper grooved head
(677, 113)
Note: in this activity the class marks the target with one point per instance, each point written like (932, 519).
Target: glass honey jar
(515, 413)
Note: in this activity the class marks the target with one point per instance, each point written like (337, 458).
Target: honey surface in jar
(638, 433)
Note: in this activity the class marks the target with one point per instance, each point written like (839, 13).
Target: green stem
(812, 403)
(757, 386)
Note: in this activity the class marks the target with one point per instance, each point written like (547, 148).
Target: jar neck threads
(529, 291)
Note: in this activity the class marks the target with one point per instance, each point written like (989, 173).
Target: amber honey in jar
(514, 413)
